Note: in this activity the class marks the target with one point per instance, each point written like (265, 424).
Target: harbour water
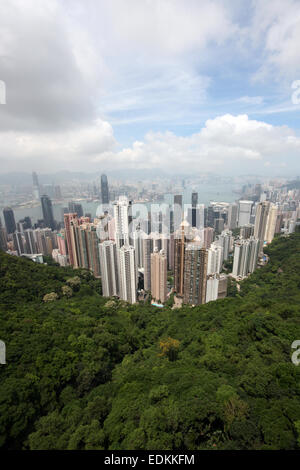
(206, 193)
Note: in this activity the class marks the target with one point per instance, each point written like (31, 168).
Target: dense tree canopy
(86, 372)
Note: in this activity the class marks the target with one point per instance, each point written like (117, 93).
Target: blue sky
(171, 84)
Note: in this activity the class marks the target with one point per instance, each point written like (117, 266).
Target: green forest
(88, 372)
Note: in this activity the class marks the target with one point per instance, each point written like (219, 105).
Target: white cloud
(74, 69)
(71, 150)
(225, 144)
(276, 27)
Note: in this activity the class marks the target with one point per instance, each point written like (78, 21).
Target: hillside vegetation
(87, 372)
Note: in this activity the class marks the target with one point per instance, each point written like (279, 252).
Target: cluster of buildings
(138, 253)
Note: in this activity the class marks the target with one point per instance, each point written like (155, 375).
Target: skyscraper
(9, 220)
(75, 207)
(159, 276)
(177, 212)
(104, 190)
(207, 235)
(212, 287)
(179, 250)
(194, 209)
(47, 212)
(69, 220)
(271, 223)
(137, 240)
(214, 258)
(109, 268)
(123, 219)
(93, 254)
(18, 243)
(226, 241)
(36, 187)
(195, 273)
(3, 238)
(147, 250)
(245, 257)
(245, 208)
(127, 274)
(83, 241)
(261, 217)
(247, 231)
(219, 225)
(30, 242)
(232, 216)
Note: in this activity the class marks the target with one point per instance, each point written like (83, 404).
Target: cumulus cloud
(276, 26)
(225, 144)
(50, 69)
(69, 149)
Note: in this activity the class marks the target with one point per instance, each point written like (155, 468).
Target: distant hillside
(85, 372)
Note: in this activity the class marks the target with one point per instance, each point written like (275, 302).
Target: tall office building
(212, 287)
(279, 222)
(18, 243)
(195, 273)
(69, 221)
(214, 258)
(219, 225)
(245, 257)
(147, 250)
(104, 190)
(61, 243)
(25, 223)
(159, 276)
(93, 250)
(216, 287)
(123, 219)
(127, 274)
(226, 242)
(195, 214)
(84, 245)
(36, 187)
(245, 208)
(207, 236)
(171, 247)
(3, 238)
(109, 268)
(9, 220)
(47, 212)
(222, 288)
(179, 251)
(247, 231)
(233, 216)
(75, 207)
(30, 243)
(177, 212)
(137, 240)
(271, 223)
(261, 218)
(194, 209)
(45, 241)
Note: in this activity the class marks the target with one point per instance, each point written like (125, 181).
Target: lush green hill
(83, 372)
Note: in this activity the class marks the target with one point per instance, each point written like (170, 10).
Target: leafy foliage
(87, 372)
